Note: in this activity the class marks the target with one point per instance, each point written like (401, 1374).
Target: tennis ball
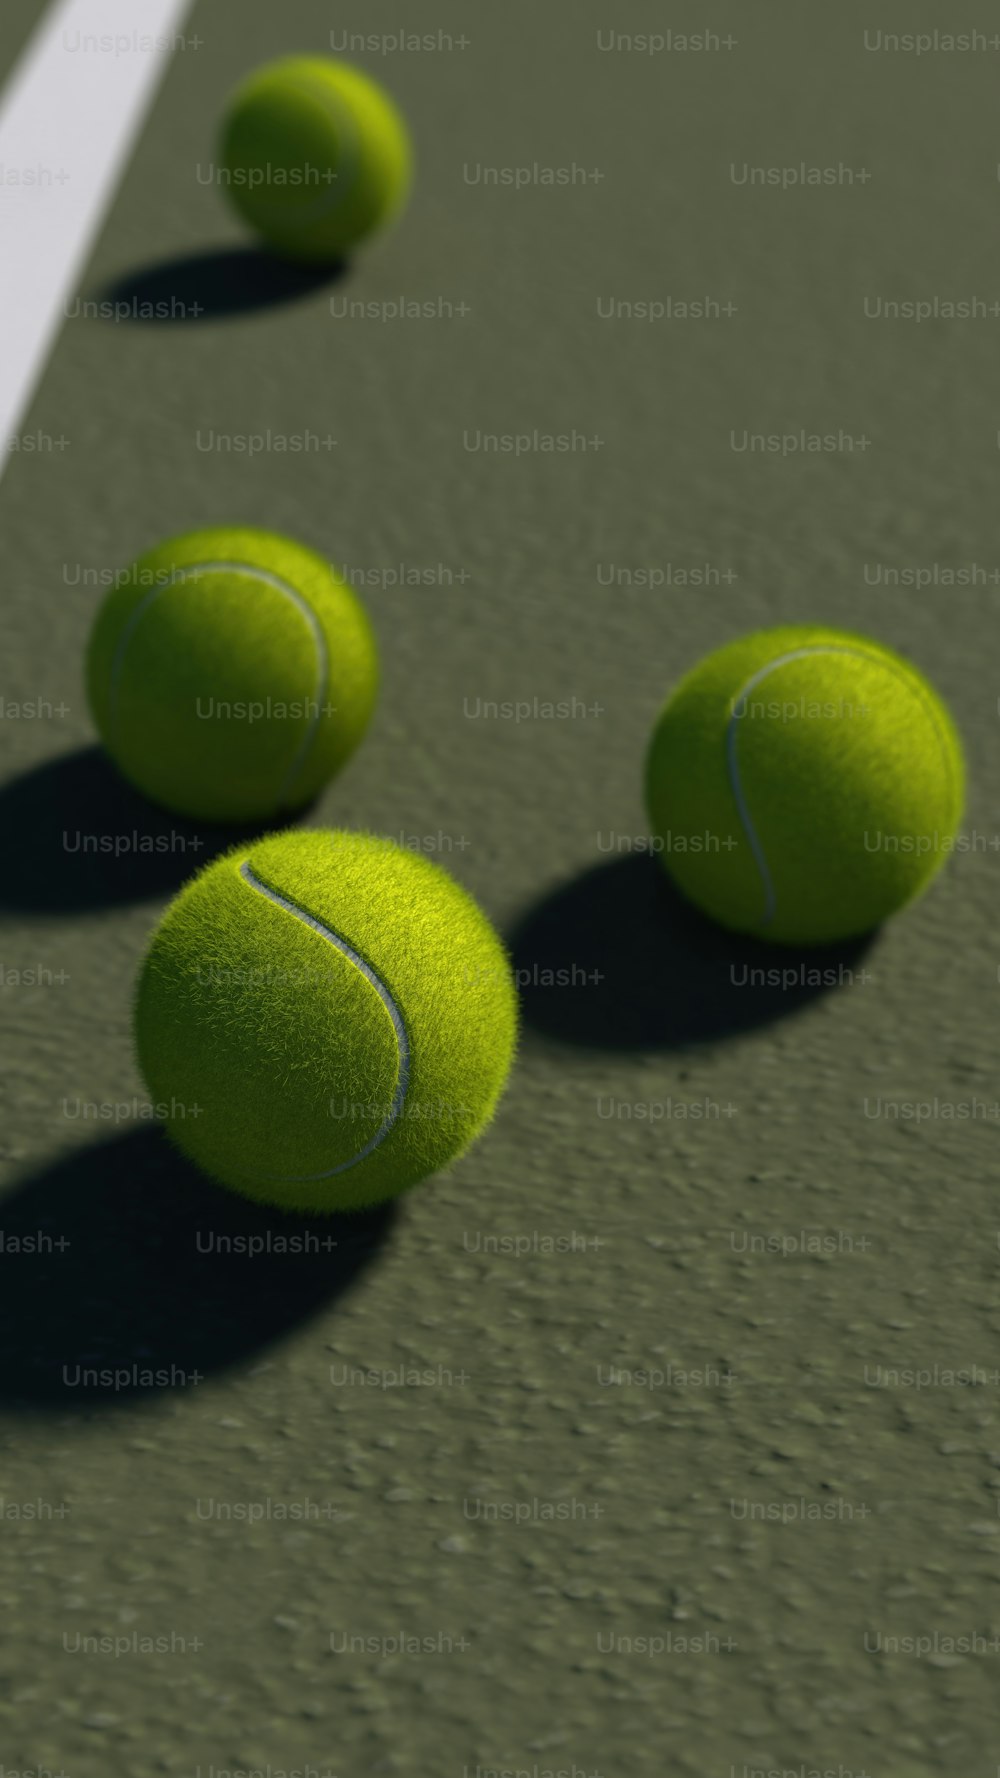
(803, 784)
(315, 156)
(326, 1018)
(230, 673)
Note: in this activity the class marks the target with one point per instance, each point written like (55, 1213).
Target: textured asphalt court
(701, 1571)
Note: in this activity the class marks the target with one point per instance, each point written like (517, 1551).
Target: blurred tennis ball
(230, 674)
(316, 156)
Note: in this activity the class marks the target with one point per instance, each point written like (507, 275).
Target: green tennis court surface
(661, 1435)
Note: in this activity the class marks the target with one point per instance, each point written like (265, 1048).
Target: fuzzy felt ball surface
(326, 1018)
(804, 784)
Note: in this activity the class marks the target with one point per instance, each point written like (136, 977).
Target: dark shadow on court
(78, 837)
(617, 960)
(210, 286)
(143, 1281)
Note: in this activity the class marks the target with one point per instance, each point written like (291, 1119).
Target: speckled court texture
(606, 1453)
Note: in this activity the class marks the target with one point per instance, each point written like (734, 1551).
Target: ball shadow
(212, 285)
(79, 837)
(142, 1265)
(617, 960)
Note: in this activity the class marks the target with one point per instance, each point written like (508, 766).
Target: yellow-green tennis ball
(315, 156)
(803, 784)
(326, 1019)
(230, 673)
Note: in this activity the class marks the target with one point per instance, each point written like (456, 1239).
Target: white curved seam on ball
(402, 1040)
(798, 654)
(349, 142)
(260, 574)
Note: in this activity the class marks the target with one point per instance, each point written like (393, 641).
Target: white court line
(73, 113)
